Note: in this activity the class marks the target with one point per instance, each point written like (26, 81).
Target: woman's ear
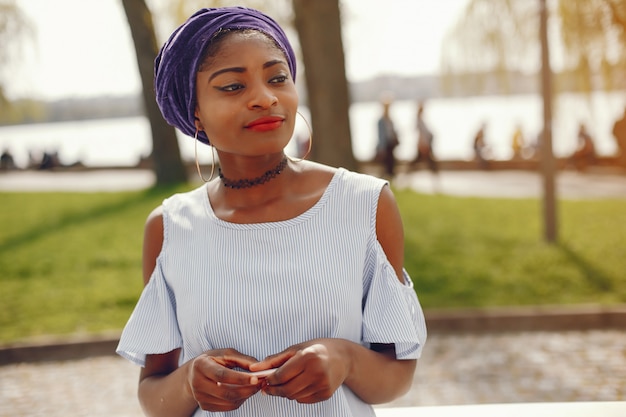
(197, 122)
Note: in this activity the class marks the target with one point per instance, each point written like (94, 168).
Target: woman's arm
(165, 389)
(390, 231)
(376, 375)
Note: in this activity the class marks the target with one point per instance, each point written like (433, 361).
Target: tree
(172, 13)
(547, 156)
(500, 37)
(14, 29)
(166, 159)
(594, 36)
(319, 30)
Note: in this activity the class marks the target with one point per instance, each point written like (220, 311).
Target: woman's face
(246, 98)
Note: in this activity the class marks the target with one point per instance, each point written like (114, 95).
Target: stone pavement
(465, 368)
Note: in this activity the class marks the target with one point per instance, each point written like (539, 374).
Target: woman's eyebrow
(240, 70)
(273, 62)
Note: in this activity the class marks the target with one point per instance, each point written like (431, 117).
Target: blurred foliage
(594, 36)
(22, 111)
(171, 13)
(493, 36)
(15, 30)
(501, 37)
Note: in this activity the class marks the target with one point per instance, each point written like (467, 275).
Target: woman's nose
(262, 97)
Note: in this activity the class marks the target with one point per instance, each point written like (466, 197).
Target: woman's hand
(311, 372)
(308, 372)
(215, 385)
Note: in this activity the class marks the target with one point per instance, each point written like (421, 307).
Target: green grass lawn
(71, 262)
(475, 252)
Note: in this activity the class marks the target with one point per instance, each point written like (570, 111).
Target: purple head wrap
(177, 63)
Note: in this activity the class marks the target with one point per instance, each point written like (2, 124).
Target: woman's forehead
(236, 45)
(239, 37)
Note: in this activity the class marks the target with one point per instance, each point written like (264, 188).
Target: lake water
(121, 142)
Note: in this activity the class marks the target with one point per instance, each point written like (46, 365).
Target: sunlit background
(83, 49)
(470, 61)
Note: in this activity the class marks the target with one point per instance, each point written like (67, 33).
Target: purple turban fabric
(177, 63)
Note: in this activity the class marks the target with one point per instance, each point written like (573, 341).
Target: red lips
(265, 124)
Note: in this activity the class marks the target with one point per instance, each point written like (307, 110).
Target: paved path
(455, 369)
(515, 184)
(510, 184)
(93, 180)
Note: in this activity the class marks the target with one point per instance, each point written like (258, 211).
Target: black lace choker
(247, 183)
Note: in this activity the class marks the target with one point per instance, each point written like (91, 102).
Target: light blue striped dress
(260, 288)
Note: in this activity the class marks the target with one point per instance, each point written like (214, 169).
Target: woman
(291, 270)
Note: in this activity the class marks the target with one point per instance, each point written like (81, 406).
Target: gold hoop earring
(212, 162)
(308, 151)
(195, 137)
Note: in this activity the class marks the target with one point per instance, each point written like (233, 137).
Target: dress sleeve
(392, 312)
(153, 325)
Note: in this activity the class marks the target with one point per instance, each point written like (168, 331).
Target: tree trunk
(547, 156)
(318, 24)
(166, 160)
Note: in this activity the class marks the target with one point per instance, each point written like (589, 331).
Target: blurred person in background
(518, 144)
(619, 132)
(387, 138)
(425, 142)
(481, 149)
(585, 153)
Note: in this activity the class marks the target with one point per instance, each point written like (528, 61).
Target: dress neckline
(304, 216)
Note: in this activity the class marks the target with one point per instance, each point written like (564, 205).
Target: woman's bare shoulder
(315, 168)
(152, 241)
(313, 175)
(155, 214)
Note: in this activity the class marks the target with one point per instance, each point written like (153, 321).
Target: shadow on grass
(594, 276)
(76, 218)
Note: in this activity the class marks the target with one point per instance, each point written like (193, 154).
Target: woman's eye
(231, 87)
(279, 79)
